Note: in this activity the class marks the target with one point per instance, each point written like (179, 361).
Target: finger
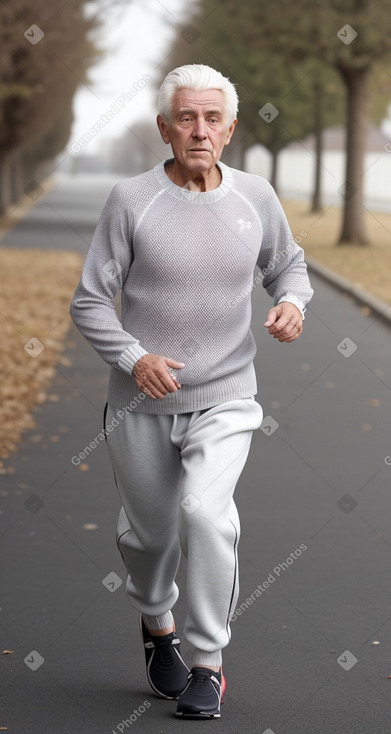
(292, 335)
(281, 324)
(168, 380)
(175, 365)
(155, 390)
(147, 392)
(161, 383)
(271, 317)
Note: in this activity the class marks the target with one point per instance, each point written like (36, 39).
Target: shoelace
(199, 679)
(164, 650)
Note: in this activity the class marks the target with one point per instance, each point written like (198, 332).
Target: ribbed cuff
(291, 298)
(159, 622)
(201, 657)
(130, 356)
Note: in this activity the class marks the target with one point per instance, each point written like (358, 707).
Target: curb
(381, 308)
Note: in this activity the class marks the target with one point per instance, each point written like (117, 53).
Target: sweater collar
(202, 197)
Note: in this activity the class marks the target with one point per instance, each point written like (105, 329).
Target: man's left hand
(284, 322)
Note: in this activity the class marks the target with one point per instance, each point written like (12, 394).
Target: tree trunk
(5, 186)
(318, 129)
(16, 176)
(353, 227)
(274, 171)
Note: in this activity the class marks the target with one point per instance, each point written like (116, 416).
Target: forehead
(190, 98)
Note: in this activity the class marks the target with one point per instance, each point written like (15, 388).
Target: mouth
(199, 150)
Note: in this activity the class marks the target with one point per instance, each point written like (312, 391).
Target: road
(311, 652)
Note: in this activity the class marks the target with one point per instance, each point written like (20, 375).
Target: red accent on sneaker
(223, 686)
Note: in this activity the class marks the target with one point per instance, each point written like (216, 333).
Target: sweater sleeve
(105, 268)
(281, 259)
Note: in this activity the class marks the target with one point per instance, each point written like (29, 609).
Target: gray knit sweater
(185, 263)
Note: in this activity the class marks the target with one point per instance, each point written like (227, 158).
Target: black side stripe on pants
(235, 549)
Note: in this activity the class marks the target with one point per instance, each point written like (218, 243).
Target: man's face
(198, 128)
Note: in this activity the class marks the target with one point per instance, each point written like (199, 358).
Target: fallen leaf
(373, 402)
(365, 310)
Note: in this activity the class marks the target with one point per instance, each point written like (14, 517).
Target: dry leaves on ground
(37, 286)
(368, 268)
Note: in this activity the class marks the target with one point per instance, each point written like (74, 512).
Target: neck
(193, 180)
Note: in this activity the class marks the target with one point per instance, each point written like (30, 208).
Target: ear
(163, 129)
(230, 131)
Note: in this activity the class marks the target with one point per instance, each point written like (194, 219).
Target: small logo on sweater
(244, 225)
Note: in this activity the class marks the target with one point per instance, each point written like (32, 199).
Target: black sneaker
(166, 671)
(203, 694)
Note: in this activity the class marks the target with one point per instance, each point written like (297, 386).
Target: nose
(199, 129)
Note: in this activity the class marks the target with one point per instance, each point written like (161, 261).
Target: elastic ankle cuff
(159, 622)
(200, 657)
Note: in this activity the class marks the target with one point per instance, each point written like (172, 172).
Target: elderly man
(182, 242)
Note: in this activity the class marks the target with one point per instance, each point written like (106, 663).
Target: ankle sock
(200, 657)
(159, 622)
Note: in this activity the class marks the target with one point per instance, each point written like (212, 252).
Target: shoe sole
(197, 716)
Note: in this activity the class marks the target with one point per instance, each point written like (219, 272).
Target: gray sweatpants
(176, 475)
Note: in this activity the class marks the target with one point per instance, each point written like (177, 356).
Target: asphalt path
(310, 649)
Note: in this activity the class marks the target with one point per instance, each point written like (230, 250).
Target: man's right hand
(152, 376)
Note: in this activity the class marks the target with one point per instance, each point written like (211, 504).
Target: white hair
(198, 77)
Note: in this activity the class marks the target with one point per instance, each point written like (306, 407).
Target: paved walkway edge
(381, 308)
